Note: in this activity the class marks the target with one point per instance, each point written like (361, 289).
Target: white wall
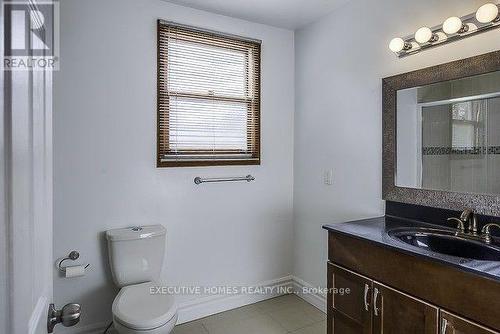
(105, 142)
(340, 62)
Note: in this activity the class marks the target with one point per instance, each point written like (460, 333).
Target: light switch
(328, 177)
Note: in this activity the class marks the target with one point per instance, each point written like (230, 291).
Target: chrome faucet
(469, 217)
(466, 217)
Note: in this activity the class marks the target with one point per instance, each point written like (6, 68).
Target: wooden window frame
(163, 96)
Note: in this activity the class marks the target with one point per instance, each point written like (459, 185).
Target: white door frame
(26, 199)
(4, 254)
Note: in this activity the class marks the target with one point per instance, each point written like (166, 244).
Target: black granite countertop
(375, 230)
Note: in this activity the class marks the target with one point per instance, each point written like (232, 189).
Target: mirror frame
(487, 204)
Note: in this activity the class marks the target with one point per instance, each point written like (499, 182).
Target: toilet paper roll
(74, 271)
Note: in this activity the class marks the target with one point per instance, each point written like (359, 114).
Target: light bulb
(397, 45)
(487, 13)
(452, 25)
(424, 35)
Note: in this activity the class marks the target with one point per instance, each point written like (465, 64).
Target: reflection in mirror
(448, 135)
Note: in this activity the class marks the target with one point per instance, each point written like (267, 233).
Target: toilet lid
(142, 306)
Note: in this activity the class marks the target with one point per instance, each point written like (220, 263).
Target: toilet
(136, 258)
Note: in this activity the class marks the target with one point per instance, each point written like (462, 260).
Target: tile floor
(285, 314)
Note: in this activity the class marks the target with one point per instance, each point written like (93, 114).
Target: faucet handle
(460, 223)
(486, 231)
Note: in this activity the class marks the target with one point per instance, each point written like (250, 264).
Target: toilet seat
(140, 307)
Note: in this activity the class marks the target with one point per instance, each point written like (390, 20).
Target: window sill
(162, 163)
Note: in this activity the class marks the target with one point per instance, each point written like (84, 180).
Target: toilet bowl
(136, 257)
(138, 309)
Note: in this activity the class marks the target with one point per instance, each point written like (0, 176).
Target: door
(352, 312)
(26, 181)
(452, 324)
(396, 313)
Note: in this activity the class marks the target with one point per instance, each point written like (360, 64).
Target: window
(208, 98)
(466, 124)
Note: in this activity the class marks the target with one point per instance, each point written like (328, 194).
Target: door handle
(444, 326)
(375, 298)
(367, 305)
(68, 316)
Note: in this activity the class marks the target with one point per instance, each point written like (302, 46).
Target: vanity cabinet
(395, 293)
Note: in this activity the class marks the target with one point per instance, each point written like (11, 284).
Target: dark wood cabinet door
(342, 324)
(397, 313)
(351, 303)
(451, 324)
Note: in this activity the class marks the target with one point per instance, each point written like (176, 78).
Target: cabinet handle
(375, 298)
(444, 326)
(367, 305)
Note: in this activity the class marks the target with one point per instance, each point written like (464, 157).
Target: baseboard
(38, 316)
(97, 328)
(204, 307)
(304, 291)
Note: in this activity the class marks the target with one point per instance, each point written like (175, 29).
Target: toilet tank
(136, 253)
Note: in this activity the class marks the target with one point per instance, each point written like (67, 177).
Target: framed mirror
(441, 135)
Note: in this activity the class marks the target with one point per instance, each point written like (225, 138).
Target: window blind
(208, 98)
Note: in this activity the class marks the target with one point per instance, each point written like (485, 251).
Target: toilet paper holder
(73, 256)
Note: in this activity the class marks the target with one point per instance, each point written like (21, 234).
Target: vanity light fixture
(454, 28)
